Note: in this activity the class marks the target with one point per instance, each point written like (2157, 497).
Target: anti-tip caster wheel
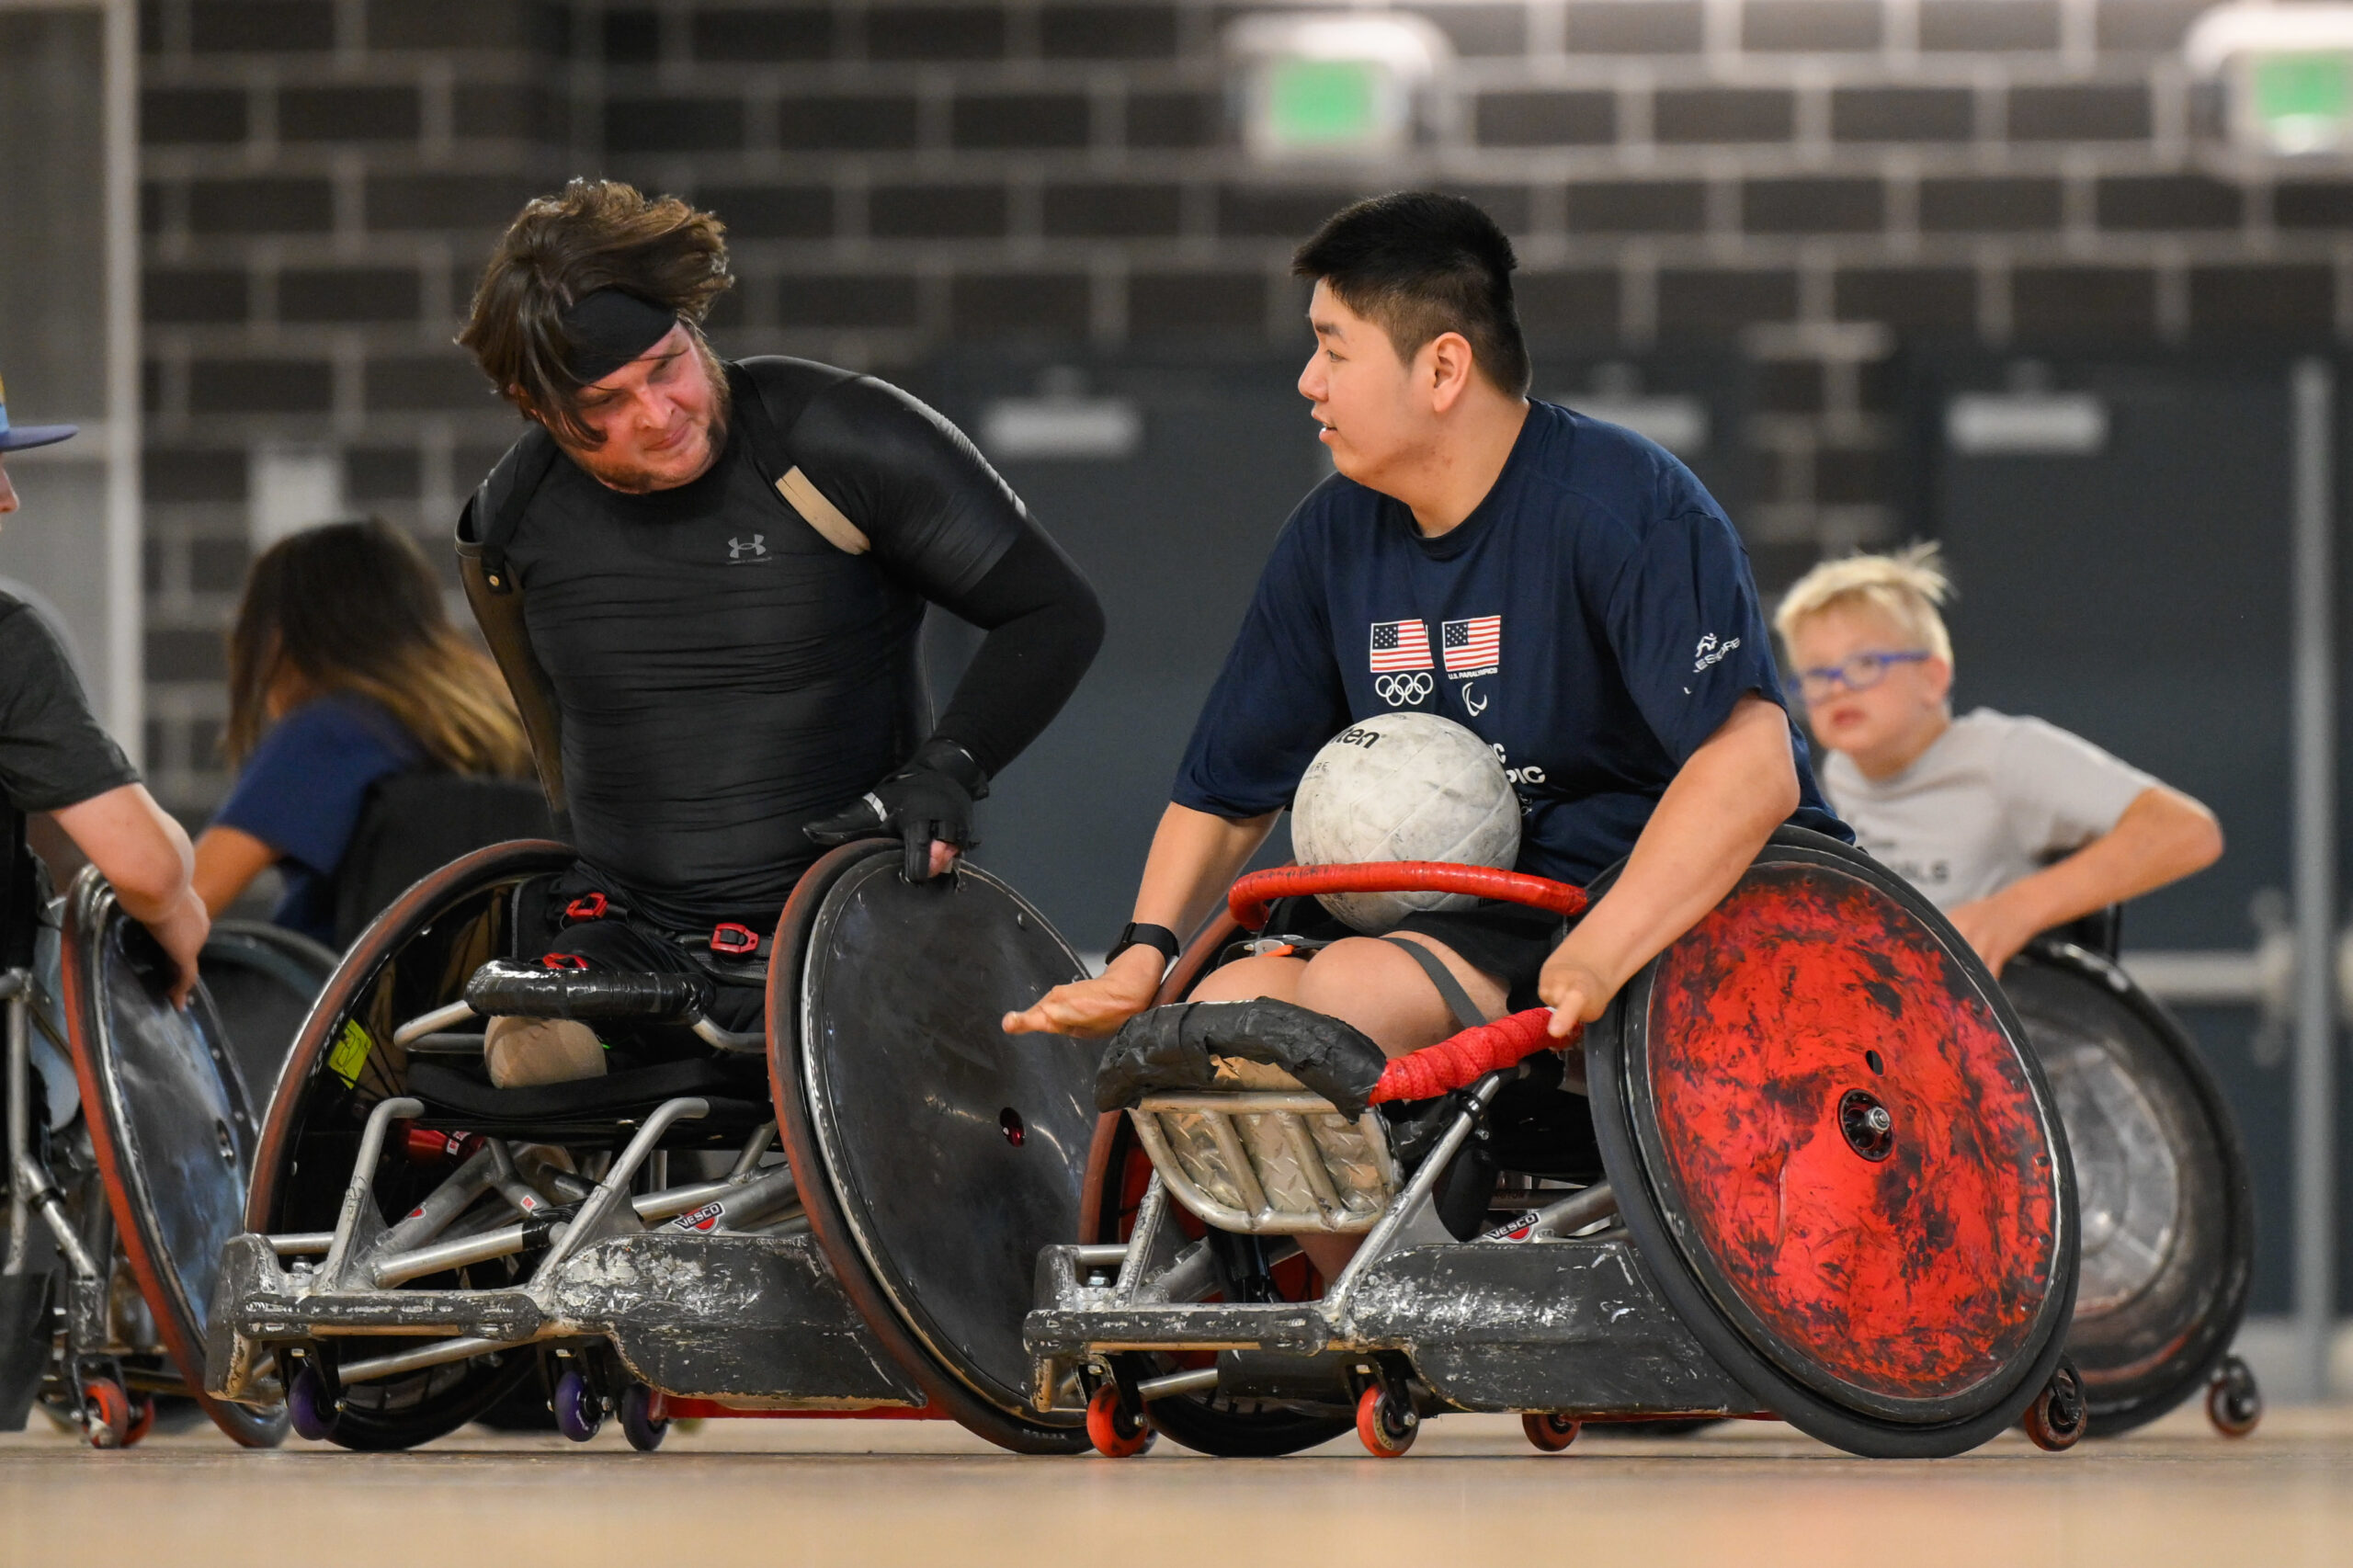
(106, 1412)
(2055, 1422)
(1116, 1433)
(642, 1422)
(1549, 1430)
(310, 1405)
(579, 1414)
(2233, 1403)
(1387, 1426)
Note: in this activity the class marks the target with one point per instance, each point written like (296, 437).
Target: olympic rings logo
(1399, 691)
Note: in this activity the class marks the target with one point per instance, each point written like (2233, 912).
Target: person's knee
(1371, 984)
(1245, 980)
(525, 1053)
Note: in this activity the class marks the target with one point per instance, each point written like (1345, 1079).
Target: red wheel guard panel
(1915, 1275)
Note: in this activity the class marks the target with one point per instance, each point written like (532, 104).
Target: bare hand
(181, 933)
(1988, 926)
(943, 855)
(1574, 990)
(1099, 1006)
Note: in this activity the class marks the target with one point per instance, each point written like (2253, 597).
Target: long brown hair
(354, 608)
(592, 234)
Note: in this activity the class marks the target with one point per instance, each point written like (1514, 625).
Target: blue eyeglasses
(1856, 672)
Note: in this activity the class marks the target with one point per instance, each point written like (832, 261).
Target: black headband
(610, 328)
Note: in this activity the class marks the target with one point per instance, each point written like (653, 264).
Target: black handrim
(439, 1415)
(1662, 1254)
(2194, 1335)
(1236, 1432)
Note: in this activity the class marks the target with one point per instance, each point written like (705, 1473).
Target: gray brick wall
(1817, 182)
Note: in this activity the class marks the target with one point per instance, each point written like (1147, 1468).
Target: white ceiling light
(2285, 75)
(1317, 87)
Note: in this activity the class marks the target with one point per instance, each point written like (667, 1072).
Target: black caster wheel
(641, 1422)
(2234, 1402)
(2058, 1418)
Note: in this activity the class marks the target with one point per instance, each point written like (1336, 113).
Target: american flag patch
(1400, 645)
(1472, 644)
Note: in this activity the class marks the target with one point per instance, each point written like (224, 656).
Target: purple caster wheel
(579, 1414)
(311, 1405)
(643, 1429)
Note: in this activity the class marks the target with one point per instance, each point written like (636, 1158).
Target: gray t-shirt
(1993, 800)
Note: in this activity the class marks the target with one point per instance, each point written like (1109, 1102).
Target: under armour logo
(737, 549)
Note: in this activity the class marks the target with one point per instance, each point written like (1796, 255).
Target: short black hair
(1420, 264)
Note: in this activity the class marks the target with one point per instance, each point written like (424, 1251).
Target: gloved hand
(930, 797)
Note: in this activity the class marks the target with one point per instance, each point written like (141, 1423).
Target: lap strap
(1467, 1013)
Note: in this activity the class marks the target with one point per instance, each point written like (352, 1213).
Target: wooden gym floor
(782, 1492)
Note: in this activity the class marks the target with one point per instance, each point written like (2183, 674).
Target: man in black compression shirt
(720, 573)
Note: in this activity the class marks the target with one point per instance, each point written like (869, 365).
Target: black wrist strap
(1158, 938)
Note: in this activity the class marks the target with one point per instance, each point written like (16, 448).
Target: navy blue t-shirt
(1594, 620)
(301, 792)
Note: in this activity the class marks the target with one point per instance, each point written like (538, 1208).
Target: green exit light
(2303, 101)
(1325, 103)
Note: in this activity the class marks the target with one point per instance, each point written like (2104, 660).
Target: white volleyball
(1404, 786)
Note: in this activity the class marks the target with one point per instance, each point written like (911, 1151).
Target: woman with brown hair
(343, 669)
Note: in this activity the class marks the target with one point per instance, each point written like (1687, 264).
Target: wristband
(1160, 939)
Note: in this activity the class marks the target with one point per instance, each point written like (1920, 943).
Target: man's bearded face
(661, 419)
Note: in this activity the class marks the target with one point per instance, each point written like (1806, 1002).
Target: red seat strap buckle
(587, 906)
(564, 960)
(733, 938)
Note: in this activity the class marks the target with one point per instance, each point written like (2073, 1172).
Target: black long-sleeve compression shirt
(725, 672)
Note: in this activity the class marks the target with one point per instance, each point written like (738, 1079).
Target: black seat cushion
(460, 1096)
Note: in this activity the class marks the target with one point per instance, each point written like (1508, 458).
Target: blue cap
(14, 439)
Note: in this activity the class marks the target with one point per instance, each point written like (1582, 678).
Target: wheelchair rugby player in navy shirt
(1563, 587)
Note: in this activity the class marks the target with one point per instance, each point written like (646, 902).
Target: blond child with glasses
(2010, 825)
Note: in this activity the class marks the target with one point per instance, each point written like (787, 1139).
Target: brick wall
(1818, 182)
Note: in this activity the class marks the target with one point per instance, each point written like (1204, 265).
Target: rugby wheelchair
(839, 1217)
(1805, 1167)
(2161, 1180)
(129, 1135)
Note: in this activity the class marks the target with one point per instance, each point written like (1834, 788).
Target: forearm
(1044, 626)
(227, 862)
(2163, 836)
(1195, 857)
(1722, 806)
(138, 848)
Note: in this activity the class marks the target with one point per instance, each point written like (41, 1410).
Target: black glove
(930, 797)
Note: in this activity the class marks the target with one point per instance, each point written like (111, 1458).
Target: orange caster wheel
(2057, 1418)
(1386, 1427)
(1115, 1434)
(142, 1418)
(106, 1415)
(1549, 1430)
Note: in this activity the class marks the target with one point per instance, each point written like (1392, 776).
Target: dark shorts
(1507, 941)
(554, 906)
